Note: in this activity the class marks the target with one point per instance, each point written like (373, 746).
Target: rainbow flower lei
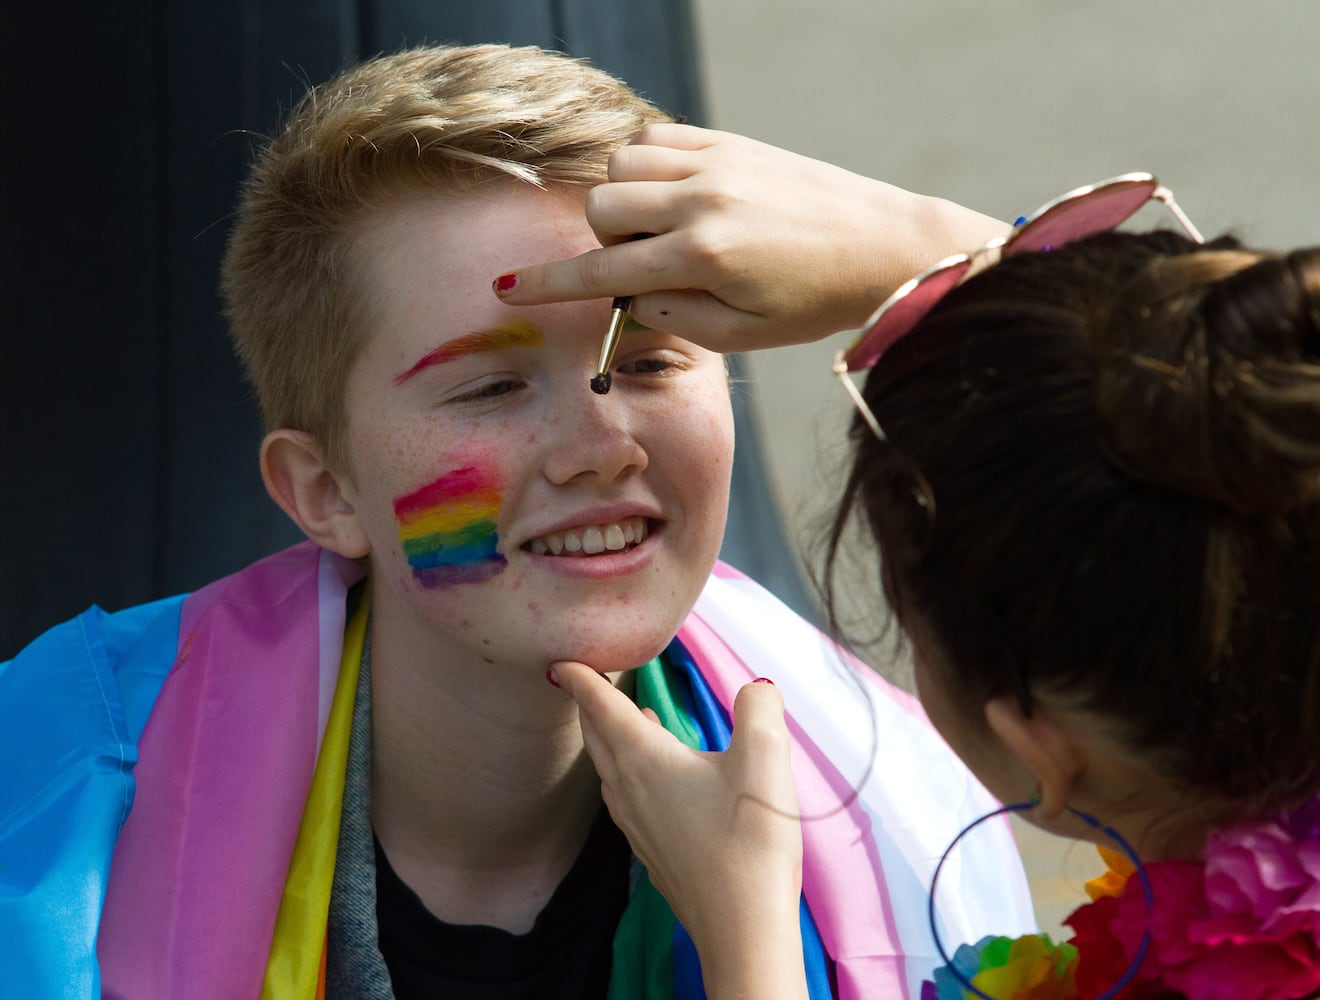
(1244, 924)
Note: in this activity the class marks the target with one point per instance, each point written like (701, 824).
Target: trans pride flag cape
(239, 682)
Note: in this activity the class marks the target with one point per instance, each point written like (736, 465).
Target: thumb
(759, 725)
(588, 687)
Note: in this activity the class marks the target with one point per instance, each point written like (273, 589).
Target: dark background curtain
(129, 443)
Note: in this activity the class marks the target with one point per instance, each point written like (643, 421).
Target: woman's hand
(749, 245)
(719, 832)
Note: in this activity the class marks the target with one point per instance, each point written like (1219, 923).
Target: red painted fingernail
(764, 680)
(505, 282)
(550, 676)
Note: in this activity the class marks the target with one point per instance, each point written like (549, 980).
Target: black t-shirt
(565, 956)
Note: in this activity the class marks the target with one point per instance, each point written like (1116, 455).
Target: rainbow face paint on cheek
(448, 529)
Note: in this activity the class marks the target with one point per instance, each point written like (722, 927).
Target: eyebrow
(519, 333)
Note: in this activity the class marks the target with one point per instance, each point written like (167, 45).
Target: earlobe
(1044, 746)
(311, 493)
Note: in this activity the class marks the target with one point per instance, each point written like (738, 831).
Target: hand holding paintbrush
(753, 246)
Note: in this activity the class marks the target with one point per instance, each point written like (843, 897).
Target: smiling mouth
(593, 539)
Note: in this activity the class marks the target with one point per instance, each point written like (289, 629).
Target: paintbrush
(600, 382)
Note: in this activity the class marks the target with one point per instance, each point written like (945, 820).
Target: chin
(607, 654)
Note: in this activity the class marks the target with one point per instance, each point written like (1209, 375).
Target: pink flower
(1245, 925)
(1263, 872)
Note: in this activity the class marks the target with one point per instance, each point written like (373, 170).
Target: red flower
(1102, 960)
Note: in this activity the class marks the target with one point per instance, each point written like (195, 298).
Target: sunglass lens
(901, 312)
(1075, 218)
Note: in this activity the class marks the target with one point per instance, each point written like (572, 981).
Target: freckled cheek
(710, 406)
(702, 409)
(389, 458)
(715, 430)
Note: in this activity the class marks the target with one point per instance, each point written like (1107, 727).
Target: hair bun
(1209, 377)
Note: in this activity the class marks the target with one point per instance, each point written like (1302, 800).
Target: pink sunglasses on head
(1081, 212)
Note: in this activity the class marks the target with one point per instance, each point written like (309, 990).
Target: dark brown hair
(1103, 470)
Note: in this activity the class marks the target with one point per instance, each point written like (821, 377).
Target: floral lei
(1244, 924)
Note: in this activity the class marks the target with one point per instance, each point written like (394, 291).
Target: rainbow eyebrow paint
(448, 529)
(518, 333)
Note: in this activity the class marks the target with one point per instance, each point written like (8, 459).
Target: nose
(591, 436)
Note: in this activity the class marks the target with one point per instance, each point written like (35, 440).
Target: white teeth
(591, 539)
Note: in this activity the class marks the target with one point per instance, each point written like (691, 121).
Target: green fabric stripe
(655, 690)
(643, 966)
(644, 942)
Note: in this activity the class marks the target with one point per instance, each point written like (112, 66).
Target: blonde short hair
(444, 118)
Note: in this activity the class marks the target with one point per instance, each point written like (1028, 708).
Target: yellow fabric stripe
(296, 951)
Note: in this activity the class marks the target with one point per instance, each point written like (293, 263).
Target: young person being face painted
(506, 515)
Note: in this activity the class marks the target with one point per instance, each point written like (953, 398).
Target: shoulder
(91, 674)
(74, 702)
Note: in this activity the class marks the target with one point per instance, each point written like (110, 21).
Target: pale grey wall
(1001, 106)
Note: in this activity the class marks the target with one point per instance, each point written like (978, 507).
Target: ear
(317, 499)
(1046, 747)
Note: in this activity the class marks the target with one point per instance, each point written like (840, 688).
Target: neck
(482, 791)
(1160, 820)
